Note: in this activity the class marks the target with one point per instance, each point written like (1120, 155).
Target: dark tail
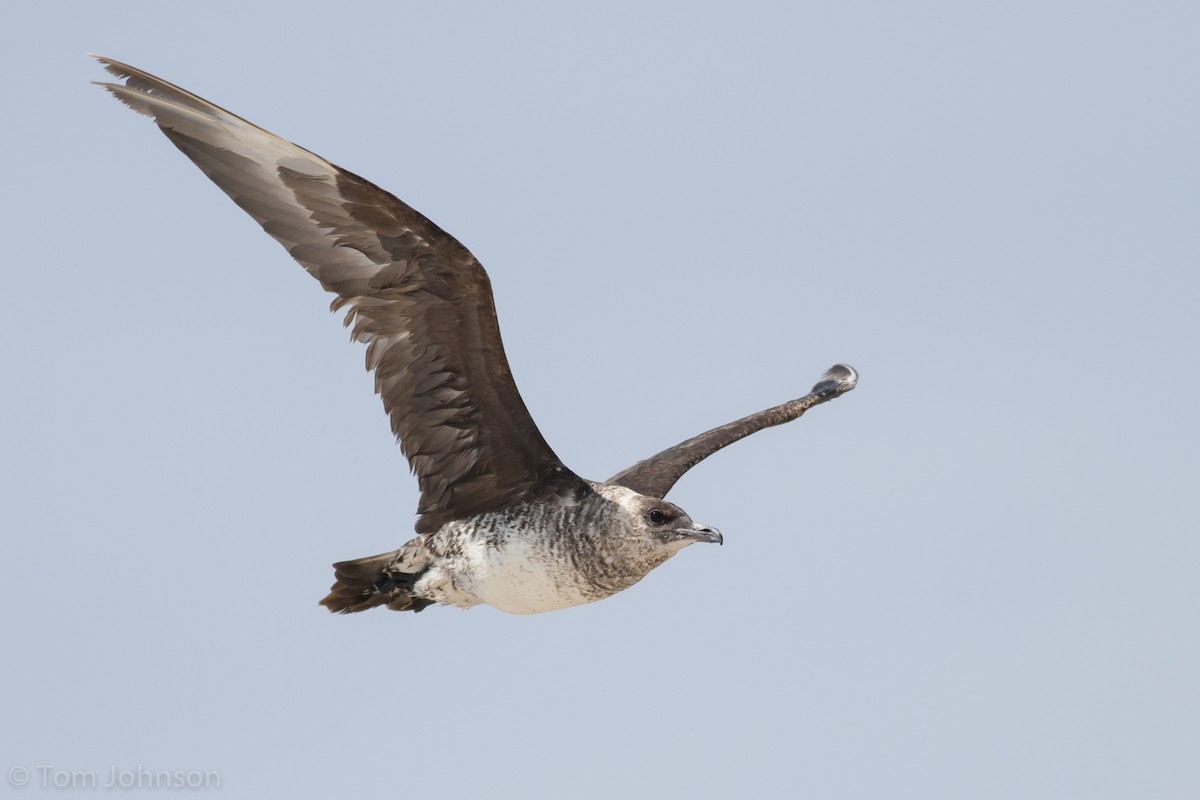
(369, 582)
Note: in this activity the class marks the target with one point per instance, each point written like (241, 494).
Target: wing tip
(112, 66)
(838, 379)
(130, 94)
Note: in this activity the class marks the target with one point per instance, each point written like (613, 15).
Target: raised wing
(656, 475)
(417, 298)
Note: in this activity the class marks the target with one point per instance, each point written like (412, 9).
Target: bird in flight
(501, 520)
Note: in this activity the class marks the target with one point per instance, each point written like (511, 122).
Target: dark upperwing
(418, 299)
(656, 475)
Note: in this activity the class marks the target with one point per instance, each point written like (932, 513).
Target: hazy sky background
(973, 577)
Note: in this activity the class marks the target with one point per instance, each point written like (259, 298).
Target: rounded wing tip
(838, 379)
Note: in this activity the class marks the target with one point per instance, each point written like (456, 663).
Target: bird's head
(657, 524)
(670, 525)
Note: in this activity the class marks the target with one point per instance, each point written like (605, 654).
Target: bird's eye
(656, 517)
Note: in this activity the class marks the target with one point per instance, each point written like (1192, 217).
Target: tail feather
(369, 582)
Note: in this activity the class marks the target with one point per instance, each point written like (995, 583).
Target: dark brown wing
(417, 298)
(656, 475)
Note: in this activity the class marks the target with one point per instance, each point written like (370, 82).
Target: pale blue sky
(975, 576)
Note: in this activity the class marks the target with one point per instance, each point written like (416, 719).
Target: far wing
(656, 475)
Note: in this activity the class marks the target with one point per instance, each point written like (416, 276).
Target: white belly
(520, 578)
